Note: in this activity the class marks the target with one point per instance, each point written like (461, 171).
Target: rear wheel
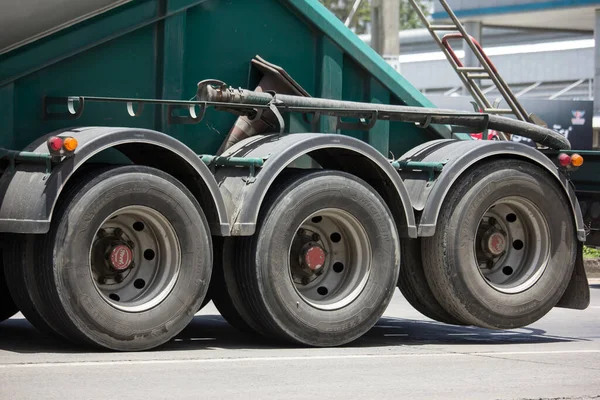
(323, 263)
(504, 248)
(415, 288)
(224, 290)
(133, 246)
(7, 305)
(20, 254)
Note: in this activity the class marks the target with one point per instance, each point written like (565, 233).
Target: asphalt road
(406, 356)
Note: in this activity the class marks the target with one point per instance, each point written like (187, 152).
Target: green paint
(331, 77)
(173, 61)
(379, 136)
(7, 111)
(162, 48)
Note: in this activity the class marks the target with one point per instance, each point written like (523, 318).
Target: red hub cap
(314, 257)
(121, 257)
(496, 244)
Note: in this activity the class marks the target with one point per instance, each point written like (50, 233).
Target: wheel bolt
(118, 232)
(130, 244)
(119, 278)
(316, 237)
(102, 280)
(301, 231)
(305, 281)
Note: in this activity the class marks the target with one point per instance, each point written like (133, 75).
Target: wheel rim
(135, 259)
(330, 259)
(512, 245)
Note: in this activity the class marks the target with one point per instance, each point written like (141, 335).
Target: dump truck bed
(161, 49)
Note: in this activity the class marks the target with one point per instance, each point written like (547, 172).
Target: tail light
(60, 146)
(570, 161)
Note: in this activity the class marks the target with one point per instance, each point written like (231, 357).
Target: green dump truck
(160, 154)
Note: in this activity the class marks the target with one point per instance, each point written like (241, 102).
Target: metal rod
(352, 12)
(232, 161)
(565, 90)
(436, 166)
(423, 116)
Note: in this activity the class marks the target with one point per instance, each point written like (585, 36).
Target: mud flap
(577, 295)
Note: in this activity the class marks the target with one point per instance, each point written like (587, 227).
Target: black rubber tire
(448, 256)
(413, 284)
(269, 292)
(224, 249)
(8, 307)
(64, 265)
(20, 254)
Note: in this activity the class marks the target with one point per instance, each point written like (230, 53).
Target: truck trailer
(161, 154)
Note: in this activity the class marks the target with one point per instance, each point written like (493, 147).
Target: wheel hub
(313, 256)
(121, 257)
(495, 243)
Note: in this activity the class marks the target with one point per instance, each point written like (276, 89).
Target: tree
(407, 14)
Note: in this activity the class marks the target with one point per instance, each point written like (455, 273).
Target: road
(406, 356)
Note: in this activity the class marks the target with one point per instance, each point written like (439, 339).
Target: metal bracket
(315, 123)
(193, 117)
(275, 110)
(364, 124)
(72, 112)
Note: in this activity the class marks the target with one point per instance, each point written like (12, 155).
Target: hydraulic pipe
(216, 91)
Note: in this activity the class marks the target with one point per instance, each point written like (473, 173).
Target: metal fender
(244, 193)
(428, 194)
(29, 192)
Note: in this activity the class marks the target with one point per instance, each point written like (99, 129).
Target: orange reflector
(576, 160)
(70, 144)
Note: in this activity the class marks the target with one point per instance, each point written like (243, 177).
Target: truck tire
(504, 247)
(323, 264)
(20, 254)
(413, 284)
(222, 292)
(7, 305)
(133, 246)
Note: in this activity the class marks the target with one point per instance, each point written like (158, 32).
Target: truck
(161, 154)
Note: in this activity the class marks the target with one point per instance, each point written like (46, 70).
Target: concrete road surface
(406, 356)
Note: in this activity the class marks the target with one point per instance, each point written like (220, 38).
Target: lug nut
(102, 280)
(119, 278)
(130, 244)
(316, 237)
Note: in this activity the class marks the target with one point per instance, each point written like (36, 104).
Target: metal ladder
(469, 75)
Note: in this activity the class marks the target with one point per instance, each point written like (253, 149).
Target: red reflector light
(55, 143)
(564, 160)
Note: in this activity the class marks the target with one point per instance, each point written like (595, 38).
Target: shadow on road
(211, 332)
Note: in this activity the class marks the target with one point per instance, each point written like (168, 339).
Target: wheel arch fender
(244, 195)
(30, 193)
(460, 156)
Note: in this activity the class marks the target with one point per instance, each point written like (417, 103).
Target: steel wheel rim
(526, 249)
(155, 259)
(347, 259)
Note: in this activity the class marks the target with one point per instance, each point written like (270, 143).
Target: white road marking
(388, 326)
(395, 334)
(278, 359)
(505, 333)
(463, 334)
(196, 339)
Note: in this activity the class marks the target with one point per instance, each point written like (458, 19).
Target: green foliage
(408, 16)
(590, 252)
